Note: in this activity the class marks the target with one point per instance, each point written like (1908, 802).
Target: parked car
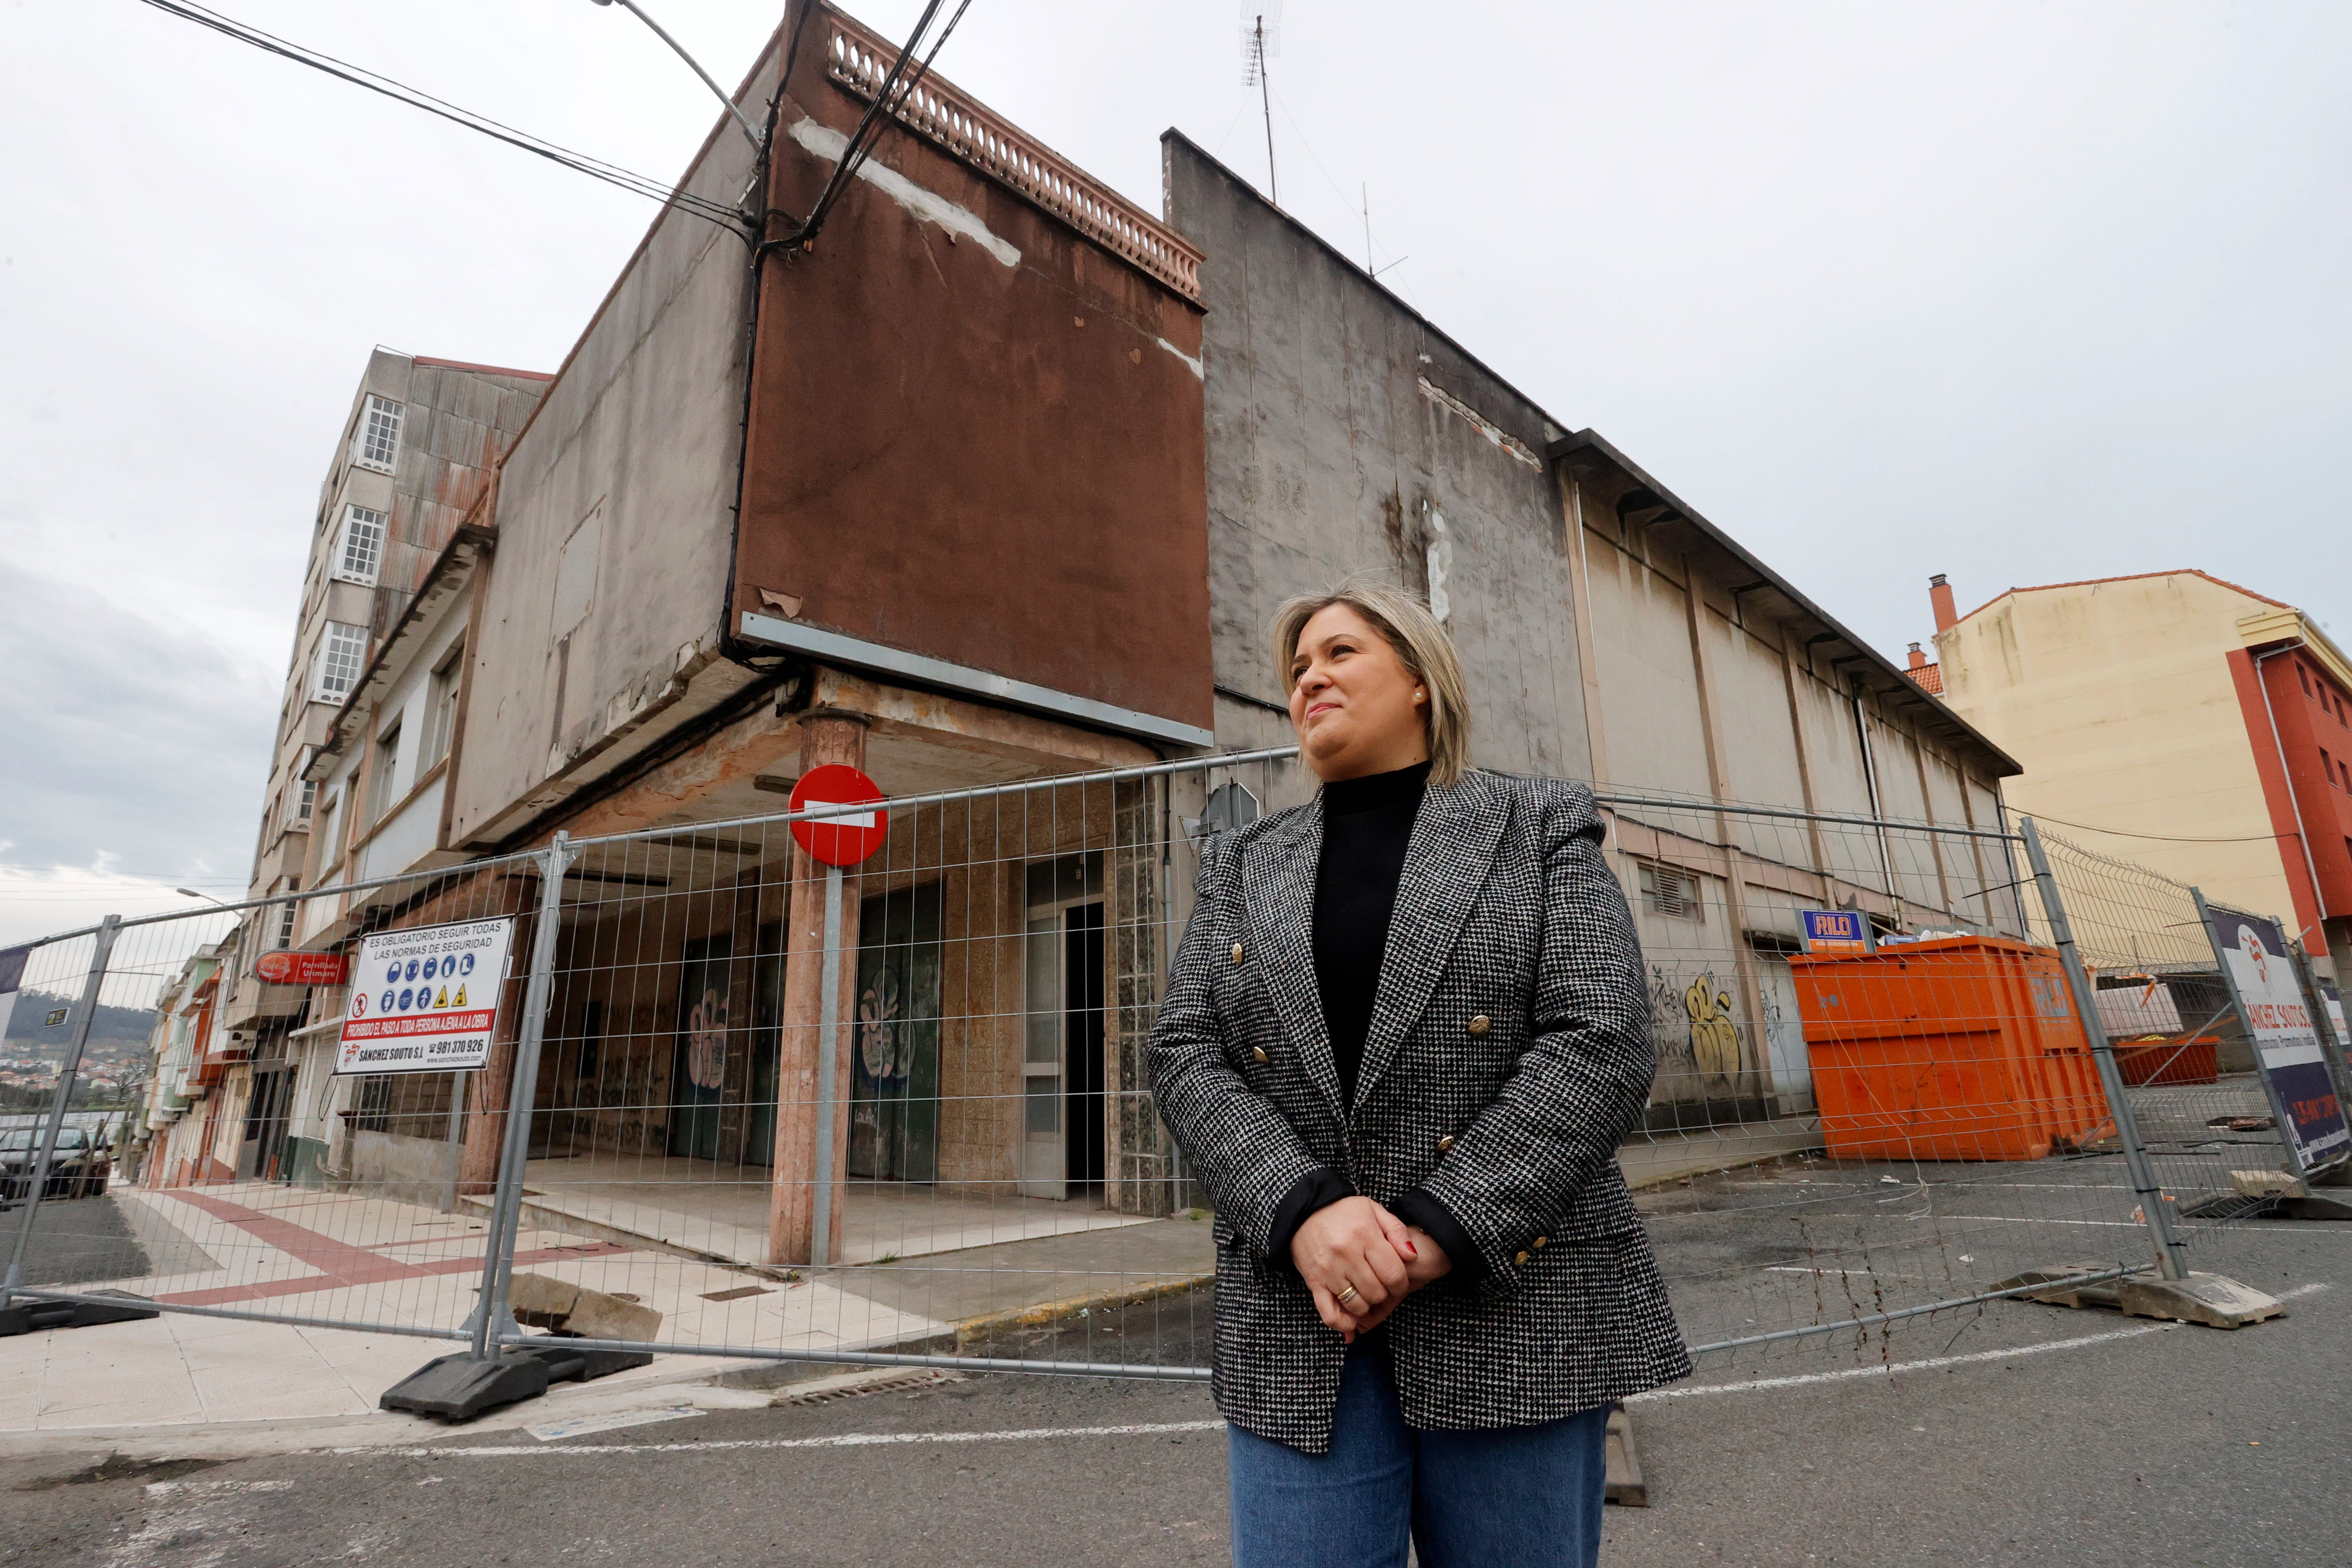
(78, 1170)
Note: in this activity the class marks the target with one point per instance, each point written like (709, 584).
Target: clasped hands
(1361, 1261)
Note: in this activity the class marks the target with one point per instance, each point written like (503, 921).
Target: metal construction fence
(726, 1099)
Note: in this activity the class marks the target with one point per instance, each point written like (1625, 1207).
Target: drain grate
(917, 1380)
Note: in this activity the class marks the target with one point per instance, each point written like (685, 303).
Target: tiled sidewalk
(362, 1261)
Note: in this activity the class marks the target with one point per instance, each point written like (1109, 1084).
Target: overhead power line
(360, 75)
(892, 92)
(2158, 837)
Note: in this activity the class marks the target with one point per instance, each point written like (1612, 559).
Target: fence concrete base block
(2103, 1293)
(566, 1364)
(2294, 1205)
(2207, 1299)
(1626, 1487)
(2263, 1184)
(27, 1316)
(459, 1388)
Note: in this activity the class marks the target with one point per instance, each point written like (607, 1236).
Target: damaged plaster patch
(1441, 561)
(1502, 440)
(928, 205)
(1190, 363)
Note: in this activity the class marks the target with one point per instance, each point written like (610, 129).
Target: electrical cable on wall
(862, 141)
(360, 75)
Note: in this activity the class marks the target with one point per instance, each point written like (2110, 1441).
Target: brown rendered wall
(1001, 466)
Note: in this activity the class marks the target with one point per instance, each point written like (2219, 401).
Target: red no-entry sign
(842, 840)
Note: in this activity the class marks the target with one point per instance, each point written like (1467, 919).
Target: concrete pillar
(1140, 1170)
(2337, 931)
(826, 736)
(1735, 881)
(492, 1089)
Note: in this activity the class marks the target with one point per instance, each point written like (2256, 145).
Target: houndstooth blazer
(1508, 1051)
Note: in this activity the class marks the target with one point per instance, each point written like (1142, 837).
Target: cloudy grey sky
(2021, 293)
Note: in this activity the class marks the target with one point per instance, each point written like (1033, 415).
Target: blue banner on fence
(2287, 1037)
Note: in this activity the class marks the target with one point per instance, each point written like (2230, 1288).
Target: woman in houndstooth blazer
(1403, 1034)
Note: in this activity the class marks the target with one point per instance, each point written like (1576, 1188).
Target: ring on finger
(1344, 1296)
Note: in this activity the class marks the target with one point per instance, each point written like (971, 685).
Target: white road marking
(163, 1489)
(2028, 1219)
(844, 1440)
(1845, 1374)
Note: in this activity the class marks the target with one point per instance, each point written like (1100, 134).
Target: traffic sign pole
(836, 841)
(828, 1056)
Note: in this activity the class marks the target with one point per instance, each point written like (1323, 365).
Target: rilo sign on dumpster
(425, 1000)
(2286, 1039)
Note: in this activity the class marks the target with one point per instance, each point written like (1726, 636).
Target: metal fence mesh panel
(275, 1190)
(944, 1145)
(2195, 1091)
(745, 1104)
(1845, 1151)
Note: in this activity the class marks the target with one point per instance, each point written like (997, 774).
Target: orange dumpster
(1964, 1048)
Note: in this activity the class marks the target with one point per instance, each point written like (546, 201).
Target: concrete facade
(1347, 433)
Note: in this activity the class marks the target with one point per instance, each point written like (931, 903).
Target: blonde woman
(1404, 1031)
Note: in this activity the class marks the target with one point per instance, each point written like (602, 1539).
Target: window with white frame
(286, 919)
(360, 552)
(378, 433)
(301, 795)
(441, 706)
(387, 765)
(343, 652)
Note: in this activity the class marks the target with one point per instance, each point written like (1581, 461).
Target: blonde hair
(1409, 627)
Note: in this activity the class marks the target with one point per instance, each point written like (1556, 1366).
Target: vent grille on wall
(1671, 892)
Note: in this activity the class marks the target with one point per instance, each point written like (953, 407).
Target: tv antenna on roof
(1261, 41)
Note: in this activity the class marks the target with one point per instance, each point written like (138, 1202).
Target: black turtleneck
(1367, 829)
(1366, 826)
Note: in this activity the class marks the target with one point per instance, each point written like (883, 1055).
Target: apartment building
(2193, 725)
(417, 448)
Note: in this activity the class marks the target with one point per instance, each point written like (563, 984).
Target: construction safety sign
(425, 1000)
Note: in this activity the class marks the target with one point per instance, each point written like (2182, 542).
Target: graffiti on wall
(1695, 1031)
(1714, 1037)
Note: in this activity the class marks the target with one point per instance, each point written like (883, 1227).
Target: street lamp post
(750, 131)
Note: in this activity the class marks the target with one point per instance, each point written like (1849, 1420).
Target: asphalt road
(75, 1240)
(2021, 1435)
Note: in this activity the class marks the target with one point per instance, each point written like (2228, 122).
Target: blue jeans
(1518, 1497)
